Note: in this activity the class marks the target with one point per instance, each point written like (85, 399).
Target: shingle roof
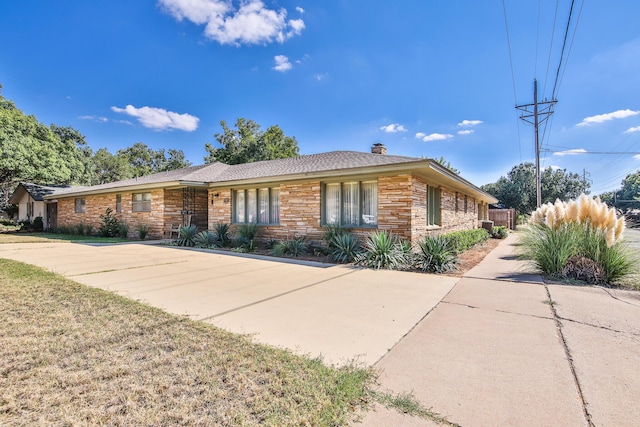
(332, 161)
(156, 178)
(220, 172)
(39, 191)
(323, 162)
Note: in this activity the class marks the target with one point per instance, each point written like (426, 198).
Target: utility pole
(535, 114)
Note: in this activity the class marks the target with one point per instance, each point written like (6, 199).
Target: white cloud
(633, 129)
(321, 76)
(433, 136)
(160, 119)
(251, 23)
(555, 167)
(282, 63)
(601, 118)
(94, 118)
(469, 123)
(299, 9)
(393, 128)
(466, 132)
(570, 152)
(637, 157)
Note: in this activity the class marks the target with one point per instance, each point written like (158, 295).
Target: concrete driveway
(337, 312)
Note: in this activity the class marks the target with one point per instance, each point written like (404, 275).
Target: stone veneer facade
(402, 209)
(166, 209)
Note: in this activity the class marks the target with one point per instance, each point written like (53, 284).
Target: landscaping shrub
(344, 247)
(37, 224)
(381, 249)
(81, 229)
(333, 231)
(499, 232)
(186, 236)
(123, 230)
(206, 239)
(143, 230)
(110, 226)
(222, 234)
(436, 255)
(580, 228)
(462, 240)
(245, 240)
(294, 247)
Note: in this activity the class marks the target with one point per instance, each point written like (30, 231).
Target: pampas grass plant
(584, 227)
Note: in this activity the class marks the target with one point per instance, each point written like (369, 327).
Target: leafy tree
(74, 148)
(518, 189)
(248, 143)
(627, 197)
(143, 160)
(109, 168)
(175, 161)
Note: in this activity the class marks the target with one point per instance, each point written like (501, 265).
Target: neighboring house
(291, 197)
(31, 204)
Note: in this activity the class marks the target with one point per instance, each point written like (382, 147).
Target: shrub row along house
(287, 198)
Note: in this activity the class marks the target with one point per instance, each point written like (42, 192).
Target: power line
(564, 43)
(513, 78)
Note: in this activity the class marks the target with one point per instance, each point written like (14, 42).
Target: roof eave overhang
(129, 188)
(429, 169)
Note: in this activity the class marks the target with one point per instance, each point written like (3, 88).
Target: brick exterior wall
(166, 207)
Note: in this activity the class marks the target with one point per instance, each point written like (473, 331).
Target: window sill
(433, 227)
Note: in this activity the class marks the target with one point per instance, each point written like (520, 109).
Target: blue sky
(426, 78)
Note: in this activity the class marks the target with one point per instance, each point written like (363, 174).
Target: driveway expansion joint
(275, 296)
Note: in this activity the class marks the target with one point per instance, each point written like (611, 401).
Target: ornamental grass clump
(584, 228)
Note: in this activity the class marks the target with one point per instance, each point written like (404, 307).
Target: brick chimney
(378, 148)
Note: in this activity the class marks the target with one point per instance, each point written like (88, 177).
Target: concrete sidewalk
(502, 348)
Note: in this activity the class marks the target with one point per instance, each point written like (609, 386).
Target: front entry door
(52, 216)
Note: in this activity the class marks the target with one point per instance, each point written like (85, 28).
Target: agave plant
(294, 248)
(381, 249)
(186, 236)
(206, 239)
(345, 247)
(222, 234)
(436, 255)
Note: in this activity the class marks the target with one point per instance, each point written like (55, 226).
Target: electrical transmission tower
(535, 114)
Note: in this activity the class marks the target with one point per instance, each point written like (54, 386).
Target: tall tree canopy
(248, 143)
(32, 151)
(518, 189)
(628, 196)
(144, 160)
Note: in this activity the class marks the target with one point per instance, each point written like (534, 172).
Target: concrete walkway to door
(340, 313)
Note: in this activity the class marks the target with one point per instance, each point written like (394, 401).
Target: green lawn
(75, 355)
(12, 237)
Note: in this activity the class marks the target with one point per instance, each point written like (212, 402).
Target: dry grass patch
(74, 355)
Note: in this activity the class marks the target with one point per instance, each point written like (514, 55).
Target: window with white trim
(81, 205)
(433, 206)
(141, 202)
(256, 205)
(350, 204)
(118, 203)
